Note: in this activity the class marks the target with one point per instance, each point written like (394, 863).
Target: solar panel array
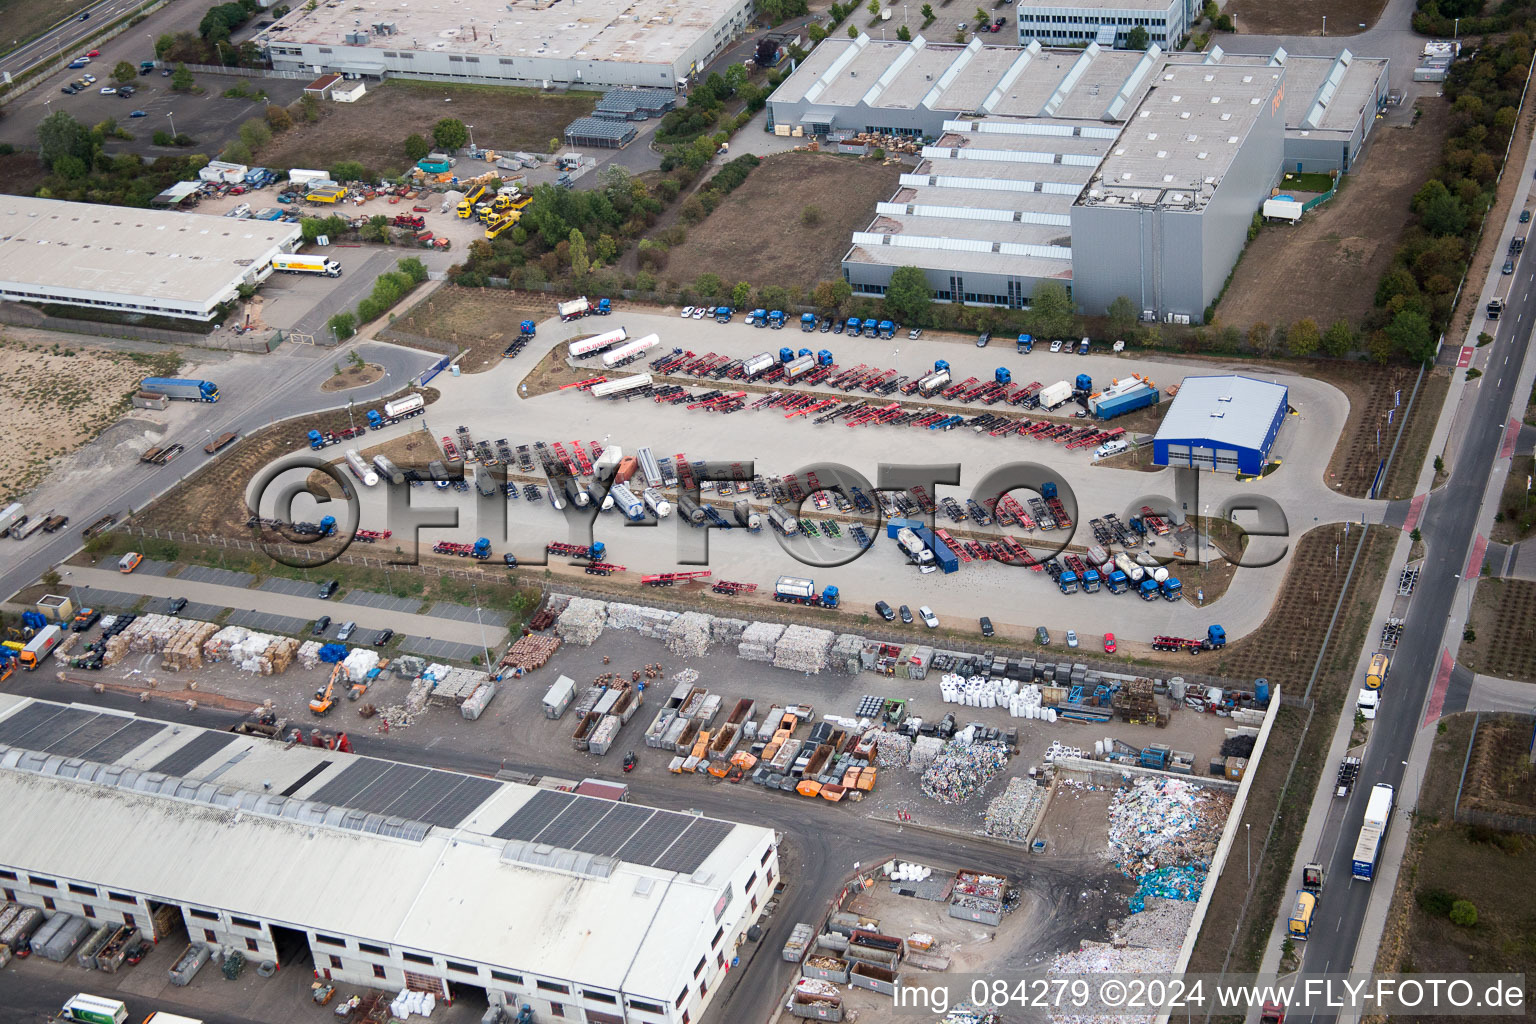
(195, 752)
(405, 791)
(74, 732)
(638, 835)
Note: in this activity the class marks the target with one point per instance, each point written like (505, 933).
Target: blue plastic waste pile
(331, 653)
(1172, 883)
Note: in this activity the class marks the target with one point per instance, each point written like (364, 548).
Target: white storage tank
(361, 469)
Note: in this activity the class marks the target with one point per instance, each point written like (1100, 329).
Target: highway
(255, 390)
(1449, 524)
(65, 36)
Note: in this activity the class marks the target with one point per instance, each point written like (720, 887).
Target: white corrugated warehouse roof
(55, 248)
(472, 888)
(1232, 409)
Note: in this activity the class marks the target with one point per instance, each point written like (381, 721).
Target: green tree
(182, 80)
(735, 77)
(928, 12)
(124, 73)
(278, 118)
(1122, 316)
(344, 324)
(1137, 39)
(981, 16)
(741, 295)
(829, 296)
(708, 285)
(873, 7)
(1050, 311)
(450, 133)
(581, 263)
(908, 297)
(605, 249)
(1211, 11)
(1463, 912)
(1411, 334)
(1260, 338)
(60, 135)
(904, 34)
(416, 147)
(376, 230)
(414, 269)
(255, 133)
(1225, 24)
(309, 107)
(70, 167)
(815, 32)
(348, 170)
(1303, 338)
(853, 31)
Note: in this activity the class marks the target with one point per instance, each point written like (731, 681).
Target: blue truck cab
(757, 318)
(786, 355)
(1048, 489)
(776, 319)
(1172, 589)
(604, 307)
(855, 327)
(1084, 382)
(1067, 581)
(887, 329)
(807, 321)
(529, 328)
(1091, 581)
(1118, 582)
(940, 364)
(1148, 589)
(824, 357)
(1026, 344)
(829, 598)
(1003, 375)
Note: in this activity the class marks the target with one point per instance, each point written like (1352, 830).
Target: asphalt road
(289, 382)
(1449, 525)
(814, 860)
(62, 37)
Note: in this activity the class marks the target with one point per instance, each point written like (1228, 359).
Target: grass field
(1306, 182)
(24, 19)
(372, 131)
(1335, 255)
(760, 236)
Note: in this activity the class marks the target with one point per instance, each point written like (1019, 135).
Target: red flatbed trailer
(585, 385)
(731, 588)
(667, 579)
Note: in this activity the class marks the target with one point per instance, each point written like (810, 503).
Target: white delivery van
(1109, 448)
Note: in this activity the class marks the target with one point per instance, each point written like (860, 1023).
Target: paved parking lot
(104, 600)
(368, 599)
(150, 567)
(429, 648)
(201, 612)
(266, 622)
(225, 577)
(488, 616)
(296, 588)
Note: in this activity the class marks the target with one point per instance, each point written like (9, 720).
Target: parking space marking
(201, 612)
(115, 600)
(151, 567)
(430, 648)
(369, 599)
(223, 577)
(267, 622)
(294, 588)
(465, 613)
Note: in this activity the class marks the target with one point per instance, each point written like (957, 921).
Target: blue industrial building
(1227, 424)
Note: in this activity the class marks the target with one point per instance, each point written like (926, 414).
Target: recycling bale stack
(758, 641)
(184, 646)
(309, 654)
(925, 750)
(1012, 814)
(963, 769)
(689, 634)
(477, 701)
(726, 631)
(582, 621)
(648, 622)
(261, 653)
(803, 649)
(845, 656)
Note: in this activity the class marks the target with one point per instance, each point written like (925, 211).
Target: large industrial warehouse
(583, 44)
(1226, 423)
(389, 875)
(1042, 164)
(183, 265)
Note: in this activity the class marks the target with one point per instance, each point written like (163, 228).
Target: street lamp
(1456, 30)
(1248, 831)
(484, 649)
(1325, 25)
(172, 118)
(471, 129)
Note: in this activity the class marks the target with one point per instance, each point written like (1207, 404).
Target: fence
(300, 552)
(1524, 823)
(219, 69)
(25, 316)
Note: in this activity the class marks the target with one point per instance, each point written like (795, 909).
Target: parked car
(884, 611)
(1525, 216)
(346, 631)
(1509, 266)
(93, 53)
(929, 619)
(126, 91)
(383, 637)
(510, 559)
(1109, 643)
(986, 626)
(166, 72)
(139, 113)
(1056, 345)
(837, 328)
(915, 333)
(1042, 636)
(698, 314)
(327, 589)
(322, 624)
(1071, 638)
(109, 90)
(174, 605)
(88, 79)
(906, 615)
(984, 340)
(687, 312)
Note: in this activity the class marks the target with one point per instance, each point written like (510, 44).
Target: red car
(93, 53)
(1109, 643)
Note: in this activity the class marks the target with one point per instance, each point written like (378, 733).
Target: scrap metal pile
(962, 769)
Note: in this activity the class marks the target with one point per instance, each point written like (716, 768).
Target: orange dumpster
(808, 787)
(833, 792)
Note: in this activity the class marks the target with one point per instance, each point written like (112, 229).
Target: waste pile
(1013, 812)
(965, 1013)
(1165, 822)
(178, 641)
(803, 649)
(261, 653)
(686, 677)
(477, 701)
(925, 750)
(758, 641)
(359, 662)
(1101, 958)
(451, 685)
(1057, 749)
(408, 666)
(1160, 924)
(309, 654)
(1240, 745)
(689, 634)
(1170, 883)
(582, 621)
(648, 622)
(961, 769)
(892, 749)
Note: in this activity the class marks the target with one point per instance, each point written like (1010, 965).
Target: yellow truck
(467, 204)
(1376, 674)
(501, 223)
(326, 194)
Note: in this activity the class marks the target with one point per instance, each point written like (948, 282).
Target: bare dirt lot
(20, 173)
(1449, 862)
(511, 119)
(481, 320)
(1335, 255)
(760, 235)
(1504, 621)
(58, 399)
(1301, 17)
